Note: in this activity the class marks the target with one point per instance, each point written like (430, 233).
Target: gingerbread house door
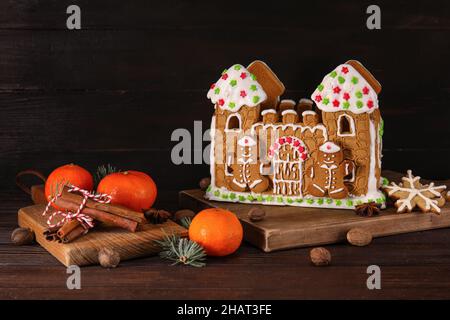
(288, 155)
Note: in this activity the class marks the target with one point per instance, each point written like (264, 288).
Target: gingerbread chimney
(289, 116)
(269, 116)
(310, 118)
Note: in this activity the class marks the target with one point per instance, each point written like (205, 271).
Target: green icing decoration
(320, 201)
(241, 198)
(338, 202)
(253, 87)
(217, 193)
(349, 203)
(253, 76)
(224, 196)
(359, 202)
(237, 67)
(269, 198)
(341, 79)
(224, 71)
(359, 104)
(233, 82)
(381, 127)
(255, 99)
(329, 201)
(217, 90)
(209, 188)
(379, 200)
(310, 201)
(299, 200)
(232, 196)
(289, 200)
(250, 197)
(384, 181)
(358, 94)
(326, 101)
(354, 80)
(232, 105)
(346, 105)
(259, 198)
(280, 199)
(320, 87)
(333, 74)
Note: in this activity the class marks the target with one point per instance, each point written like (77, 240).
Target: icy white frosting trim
(235, 88)
(246, 141)
(309, 113)
(288, 111)
(329, 147)
(345, 89)
(288, 101)
(264, 112)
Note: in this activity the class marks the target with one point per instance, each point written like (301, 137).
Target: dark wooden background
(114, 92)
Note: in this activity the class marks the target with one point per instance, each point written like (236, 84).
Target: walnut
(22, 236)
(320, 256)
(180, 214)
(204, 183)
(359, 237)
(108, 258)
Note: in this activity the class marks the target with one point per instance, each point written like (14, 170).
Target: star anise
(157, 216)
(368, 209)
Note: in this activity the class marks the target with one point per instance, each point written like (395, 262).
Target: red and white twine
(86, 221)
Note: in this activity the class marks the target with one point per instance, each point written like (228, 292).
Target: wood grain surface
(114, 91)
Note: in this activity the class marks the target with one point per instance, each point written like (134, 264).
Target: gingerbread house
(320, 152)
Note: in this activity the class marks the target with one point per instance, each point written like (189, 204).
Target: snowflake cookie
(411, 193)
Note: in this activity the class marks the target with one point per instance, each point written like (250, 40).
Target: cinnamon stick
(50, 233)
(107, 207)
(67, 228)
(99, 215)
(75, 233)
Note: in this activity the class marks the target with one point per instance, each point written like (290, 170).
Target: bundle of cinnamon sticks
(109, 214)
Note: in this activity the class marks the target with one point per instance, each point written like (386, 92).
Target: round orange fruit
(218, 231)
(133, 189)
(68, 174)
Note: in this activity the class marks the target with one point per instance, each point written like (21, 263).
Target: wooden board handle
(27, 172)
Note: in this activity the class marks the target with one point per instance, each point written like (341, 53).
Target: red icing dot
(335, 103)
(328, 147)
(221, 102)
(281, 140)
(344, 70)
(225, 76)
(245, 141)
(318, 98)
(336, 90)
(303, 156)
(213, 86)
(243, 94)
(365, 90)
(370, 104)
(301, 149)
(346, 96)
(296, 143)
(289, 140)
(243, 75)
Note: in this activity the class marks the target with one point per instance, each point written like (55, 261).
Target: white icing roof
(235, 88)
(329, 147)
(268, 111)
(288, 111)
(345, 89)
(309, 112)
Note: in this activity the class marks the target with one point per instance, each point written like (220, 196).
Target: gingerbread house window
(233, 122)
(346, 126)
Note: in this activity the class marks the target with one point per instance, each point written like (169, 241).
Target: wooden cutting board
(287, 227)
(84, 250)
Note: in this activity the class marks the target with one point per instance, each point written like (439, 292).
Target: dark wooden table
(413, 266)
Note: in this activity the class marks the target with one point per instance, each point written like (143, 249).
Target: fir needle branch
(186, 222)
(182, 251)
(104, 170)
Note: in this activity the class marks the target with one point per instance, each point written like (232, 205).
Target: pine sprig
(182, 251)
(103, 171)
(186, 222)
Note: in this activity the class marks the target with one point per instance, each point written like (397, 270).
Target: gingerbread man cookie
(246, 169)
(328, 172)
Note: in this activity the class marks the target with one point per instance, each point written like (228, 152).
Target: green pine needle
(181, 251)
(186, 222)
(103, 171)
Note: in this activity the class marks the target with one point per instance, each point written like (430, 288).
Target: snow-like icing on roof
(235, 88)
(329, 147)
(345, 89)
